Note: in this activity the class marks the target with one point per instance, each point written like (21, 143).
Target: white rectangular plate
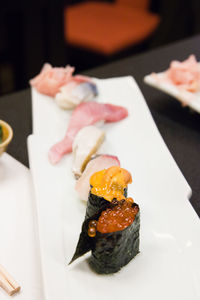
(168, 265)
(19, 251)
(185, 97)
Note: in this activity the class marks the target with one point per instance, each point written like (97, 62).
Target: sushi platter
(169, 227)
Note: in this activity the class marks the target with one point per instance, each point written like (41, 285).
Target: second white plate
(186, 98)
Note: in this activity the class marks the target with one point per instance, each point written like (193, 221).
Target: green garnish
(1, 134)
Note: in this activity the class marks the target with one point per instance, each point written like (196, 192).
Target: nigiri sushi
(85, 144)
(73, 93)
(96, 164)
(86, 113)
(112, 235)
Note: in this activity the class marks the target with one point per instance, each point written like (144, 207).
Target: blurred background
(85, 34)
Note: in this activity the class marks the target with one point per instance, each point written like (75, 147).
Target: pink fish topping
(185, 74)
(50, 79)
(86, 113)
(99, 163)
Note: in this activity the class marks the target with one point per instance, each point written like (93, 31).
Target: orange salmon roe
(117, 218)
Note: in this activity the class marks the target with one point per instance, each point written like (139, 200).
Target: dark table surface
(179, 127)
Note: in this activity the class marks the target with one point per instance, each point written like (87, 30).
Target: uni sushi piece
(85, 144)
(100, 162)
(73, 93)
(112, 236)
(106, 185)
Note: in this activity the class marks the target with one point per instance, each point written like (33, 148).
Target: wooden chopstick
(7, 282)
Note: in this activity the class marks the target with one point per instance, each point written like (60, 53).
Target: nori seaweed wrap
(111, 250)
(107, 185)
(96, 204)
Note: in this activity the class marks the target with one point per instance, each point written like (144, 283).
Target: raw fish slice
(86, 113)
(97, 164)
(85, 91)
(85, 144)
(50, 79)
(64, 98)
(74, 93)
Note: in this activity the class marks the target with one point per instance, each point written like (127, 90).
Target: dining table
(178, 125)
(23, 233)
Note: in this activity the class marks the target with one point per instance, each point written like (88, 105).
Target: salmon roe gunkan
(118, 217)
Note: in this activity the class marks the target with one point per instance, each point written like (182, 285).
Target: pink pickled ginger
(50, 80)
(185, 74)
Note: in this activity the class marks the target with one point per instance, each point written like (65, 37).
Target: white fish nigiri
(85, 144)
(73, 93)
(99, 163)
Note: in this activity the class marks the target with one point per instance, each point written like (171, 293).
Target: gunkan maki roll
(112, 236)
(107, 185)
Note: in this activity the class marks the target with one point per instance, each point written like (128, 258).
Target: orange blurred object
(108, 28)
